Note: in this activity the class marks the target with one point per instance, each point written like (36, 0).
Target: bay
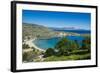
(50, 43)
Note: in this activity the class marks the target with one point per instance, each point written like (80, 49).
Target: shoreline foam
(31, 44)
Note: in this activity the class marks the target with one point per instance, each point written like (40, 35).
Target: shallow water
(50, 43)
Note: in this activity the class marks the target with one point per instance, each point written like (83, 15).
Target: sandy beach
(31, 44)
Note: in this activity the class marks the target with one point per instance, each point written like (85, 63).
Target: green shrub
(49, 52)
(65, 46)
(28, 56)
(25, 46)
(86, 44)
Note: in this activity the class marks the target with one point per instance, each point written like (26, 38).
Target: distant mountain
(35, 30)
(66, 28)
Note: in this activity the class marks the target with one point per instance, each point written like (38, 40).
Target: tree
(49, 52)
(62, 43)
(25, 46)
(33, 48)
(86, 43)
(73, 45)
(77, 43)
(63, 46)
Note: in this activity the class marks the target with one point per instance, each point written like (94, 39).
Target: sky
(57, 19)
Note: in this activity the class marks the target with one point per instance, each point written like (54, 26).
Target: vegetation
(34, 30)
(69, 50)
(65, 49)
(31, 55)
(25, 46)
(86, 43)
(65, 46)
(70, 57)
(28, 56)
(49, 52)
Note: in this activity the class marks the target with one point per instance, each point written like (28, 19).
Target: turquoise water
(50, 43)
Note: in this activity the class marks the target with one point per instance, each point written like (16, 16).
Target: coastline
(31, 44)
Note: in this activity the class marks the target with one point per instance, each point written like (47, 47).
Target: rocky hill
(34, 30)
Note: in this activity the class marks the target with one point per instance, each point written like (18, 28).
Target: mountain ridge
(35, 30)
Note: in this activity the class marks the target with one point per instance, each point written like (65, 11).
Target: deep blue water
(50, 43)
(77, 31)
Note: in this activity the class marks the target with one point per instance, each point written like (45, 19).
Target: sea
(77, 31)
(50, 43)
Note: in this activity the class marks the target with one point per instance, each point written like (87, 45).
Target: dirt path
(27, 50)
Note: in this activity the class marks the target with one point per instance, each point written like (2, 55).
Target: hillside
(34, 30)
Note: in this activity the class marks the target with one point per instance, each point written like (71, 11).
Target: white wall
(5, 37)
